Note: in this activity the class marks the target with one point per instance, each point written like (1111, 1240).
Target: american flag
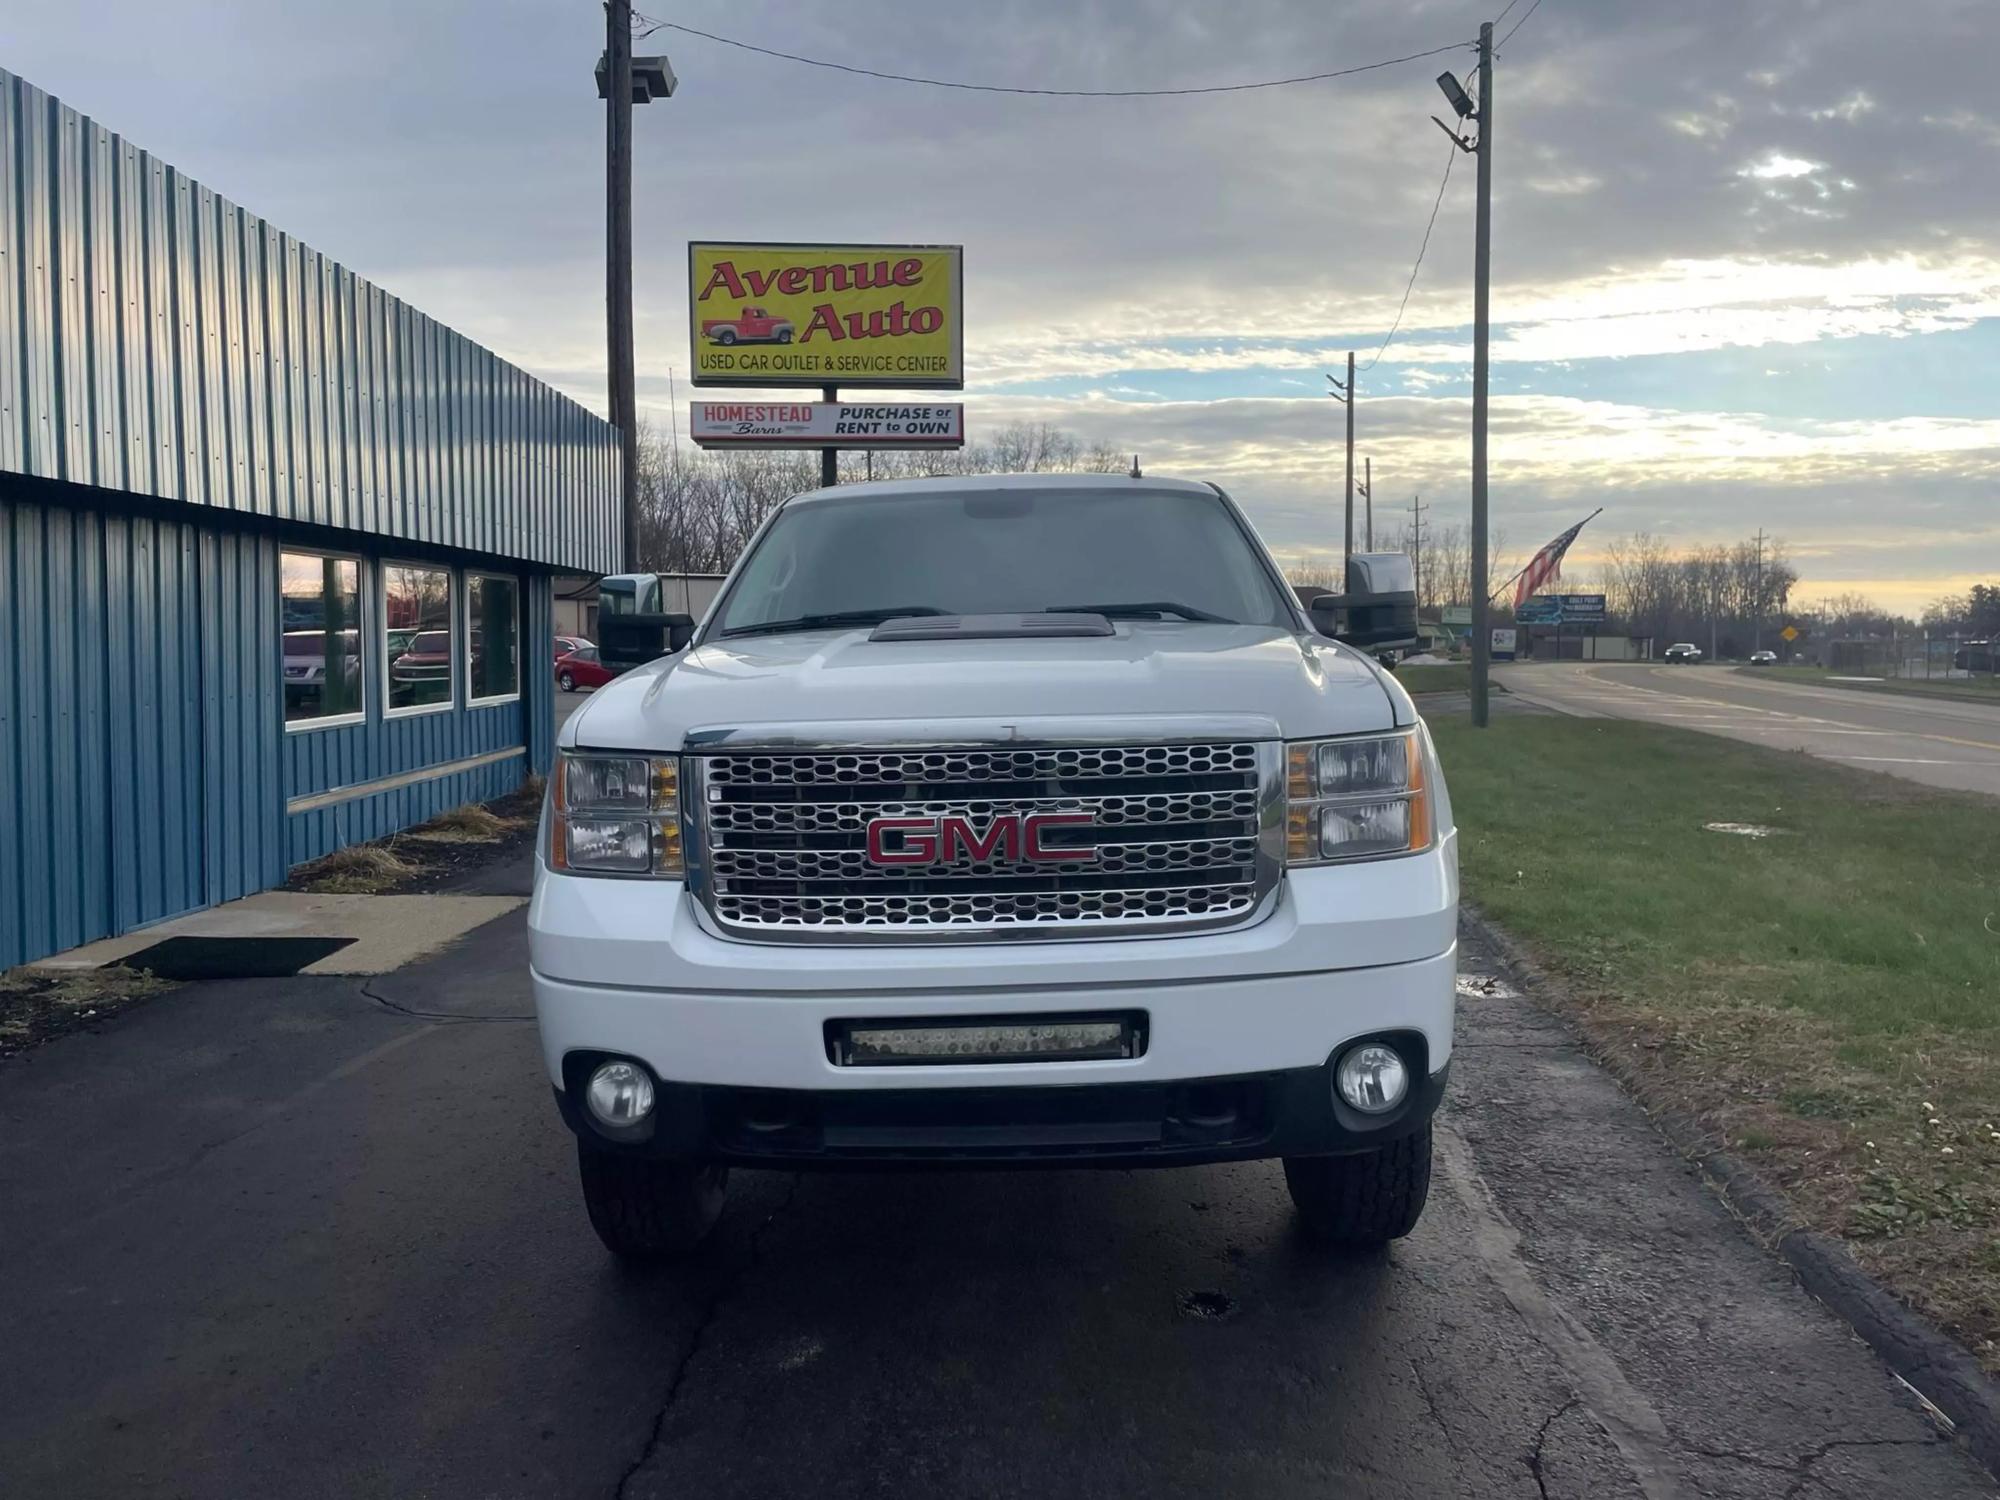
(1547, 564)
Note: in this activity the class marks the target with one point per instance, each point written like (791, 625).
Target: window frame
(327, 721)
(520, 664)
(453, 595)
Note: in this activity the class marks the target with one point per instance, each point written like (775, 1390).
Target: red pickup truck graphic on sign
(750, 326)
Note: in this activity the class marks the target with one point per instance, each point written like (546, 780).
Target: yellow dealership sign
(826, 315)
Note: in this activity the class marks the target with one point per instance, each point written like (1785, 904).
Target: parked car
(305, 666)
(750, 326)
(1684, 653)
(1977, 656)
(427, 658)
(582, 669)
(565, 644)
(1763, 658)
(786, 870)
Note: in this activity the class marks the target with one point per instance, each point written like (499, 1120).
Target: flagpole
(1531, 561)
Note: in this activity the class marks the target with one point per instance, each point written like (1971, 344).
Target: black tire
(643, 1209)
(1366, 1199)
(784, 335)
(725, 337)
(566, 682)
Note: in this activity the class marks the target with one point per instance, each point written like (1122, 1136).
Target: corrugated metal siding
(139, 722)
(144, 764)
(158, 339)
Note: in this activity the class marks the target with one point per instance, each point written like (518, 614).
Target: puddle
(1207, 1307)
(1484, 987)
(1743, 830)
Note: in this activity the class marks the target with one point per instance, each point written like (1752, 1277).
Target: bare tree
(698, 510)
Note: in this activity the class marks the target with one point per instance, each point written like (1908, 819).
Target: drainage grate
(233, 957)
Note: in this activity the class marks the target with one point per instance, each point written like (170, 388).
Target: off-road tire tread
(643, 1209)
(1366, 1199)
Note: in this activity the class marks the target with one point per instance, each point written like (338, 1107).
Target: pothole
(1207, 1307)
(1483, 987)
(1743, 830)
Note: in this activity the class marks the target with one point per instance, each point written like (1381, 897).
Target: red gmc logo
(943, 841)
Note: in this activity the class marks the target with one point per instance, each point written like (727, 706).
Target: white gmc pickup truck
(1000, 821)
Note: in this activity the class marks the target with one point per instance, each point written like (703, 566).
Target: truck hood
(1303, 685)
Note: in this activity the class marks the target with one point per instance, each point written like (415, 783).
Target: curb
(1934, 1365)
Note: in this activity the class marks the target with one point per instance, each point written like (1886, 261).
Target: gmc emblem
(944, 841)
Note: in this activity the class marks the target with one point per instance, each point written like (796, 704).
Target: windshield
(1174, 556)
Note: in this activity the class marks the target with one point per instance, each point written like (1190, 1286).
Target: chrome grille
(1181, 835)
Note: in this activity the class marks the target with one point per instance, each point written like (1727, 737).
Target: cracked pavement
(289, 1237)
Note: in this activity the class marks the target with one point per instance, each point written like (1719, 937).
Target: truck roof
(959, 484)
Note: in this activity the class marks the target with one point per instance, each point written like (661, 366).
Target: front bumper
(1290, 1113)
(626, 968)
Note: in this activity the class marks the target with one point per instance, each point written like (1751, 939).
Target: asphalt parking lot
(1936, 741)
(321, 1237)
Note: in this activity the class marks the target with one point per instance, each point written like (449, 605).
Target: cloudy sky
(1747, 263)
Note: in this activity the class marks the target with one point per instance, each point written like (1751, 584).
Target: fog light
(620, 1094)
(1372, 1078)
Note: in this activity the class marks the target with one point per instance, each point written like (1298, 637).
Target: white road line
(1908, 760)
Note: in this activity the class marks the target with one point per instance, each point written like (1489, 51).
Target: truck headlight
(1359, 798)
(616, 815)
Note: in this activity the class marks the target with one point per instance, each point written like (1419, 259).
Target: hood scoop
(990, 627)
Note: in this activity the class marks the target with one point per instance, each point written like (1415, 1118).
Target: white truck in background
(1001, 821)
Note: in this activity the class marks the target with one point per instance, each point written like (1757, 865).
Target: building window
(320, 620)
(493, 638)
(417, 637)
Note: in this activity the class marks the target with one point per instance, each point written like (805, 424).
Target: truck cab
(1001, 821)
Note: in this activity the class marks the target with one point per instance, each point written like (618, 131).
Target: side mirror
(1379, 607)
(633, 640)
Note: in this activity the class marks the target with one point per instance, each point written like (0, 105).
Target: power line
(1411, 284)
(994, 88)
(1503, 14)
(1517, 25)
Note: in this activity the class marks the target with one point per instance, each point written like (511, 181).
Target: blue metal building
(275, 548)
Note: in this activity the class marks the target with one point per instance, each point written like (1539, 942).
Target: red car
(751, 326)
(581, 669)
(568, 643)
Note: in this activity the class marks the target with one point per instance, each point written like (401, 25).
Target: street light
(1456, 96)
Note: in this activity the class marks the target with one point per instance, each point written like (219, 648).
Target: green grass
(1455, 677)
(1977, 689)
(1826, 998)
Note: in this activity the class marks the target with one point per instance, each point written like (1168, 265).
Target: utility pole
(1482, 267)
(1417, 509)
(1344, 394)
(618, 261)
(1757, 622)
(622, 81)
(1368, 495)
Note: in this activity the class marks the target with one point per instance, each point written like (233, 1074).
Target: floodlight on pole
(1456, 96)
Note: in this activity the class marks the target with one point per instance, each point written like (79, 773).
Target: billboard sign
(826, 424)
(1582, 609)
(1503, 643)
(826, 315)
(1542, 609)
(1457, 614)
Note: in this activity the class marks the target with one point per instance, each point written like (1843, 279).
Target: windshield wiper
(832, 621)
(1156, 607)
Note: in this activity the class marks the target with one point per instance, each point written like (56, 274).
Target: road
(321, 1237)
(1937, 741)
